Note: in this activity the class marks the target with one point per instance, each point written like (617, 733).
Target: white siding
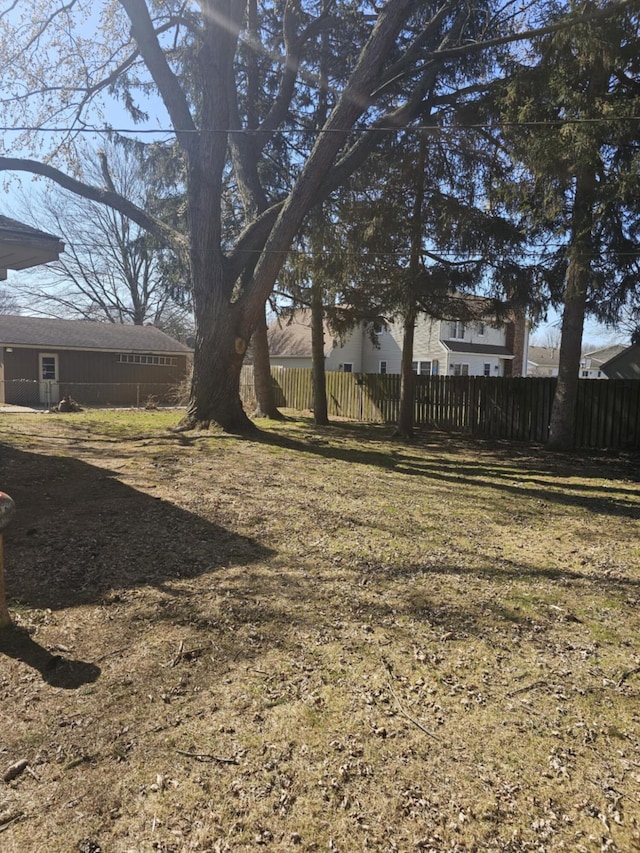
(427, 346)
(475, 364)
(348, 351)
(389, 349)
(492, 336)
(358, 349)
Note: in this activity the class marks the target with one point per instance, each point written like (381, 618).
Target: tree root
(241, 426)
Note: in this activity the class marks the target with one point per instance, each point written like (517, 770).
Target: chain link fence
(46, 394)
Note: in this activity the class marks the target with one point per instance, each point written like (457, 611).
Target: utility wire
(287, 131)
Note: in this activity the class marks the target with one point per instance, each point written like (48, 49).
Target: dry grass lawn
(320, 640)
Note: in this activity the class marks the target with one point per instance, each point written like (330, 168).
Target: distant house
(43, 359)
(22, 247)
(482, 347)
(623, 365)
(591, 362)
(543, 361)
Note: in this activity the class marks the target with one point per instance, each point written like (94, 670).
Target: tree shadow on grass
(79, 533)
(519, 479)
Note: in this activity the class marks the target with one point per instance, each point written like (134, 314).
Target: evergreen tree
(238, 83)
(572, 133)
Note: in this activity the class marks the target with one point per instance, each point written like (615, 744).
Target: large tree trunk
(262, 380)
(406, 413)
(318, 377)
(215, 394)
(223, 330)
(563, 411)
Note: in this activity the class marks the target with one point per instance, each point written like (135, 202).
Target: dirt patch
(315, 640)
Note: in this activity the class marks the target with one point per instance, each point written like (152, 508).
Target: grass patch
(315, 639)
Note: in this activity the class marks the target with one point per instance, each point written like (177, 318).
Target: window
(347, 367)
(585, 374)
(48, 368)
(460, 369)
(481, 331)
(158, 360)
(486, 370)
(383, 367)
(424, 368)
(457, 329)
(414, 366)
(378, 328)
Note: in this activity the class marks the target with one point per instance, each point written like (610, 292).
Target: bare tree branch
(168, 236)
(171, 91)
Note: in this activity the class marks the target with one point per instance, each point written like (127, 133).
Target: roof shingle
(84, 334)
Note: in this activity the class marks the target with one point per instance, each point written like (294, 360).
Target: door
(48, 378)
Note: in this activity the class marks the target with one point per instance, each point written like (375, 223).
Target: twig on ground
(628, 674)
(203, 756)
(178, 657)
(184, 654)
(534, 686)
(6, 821)
(109, 654)
(409, 717)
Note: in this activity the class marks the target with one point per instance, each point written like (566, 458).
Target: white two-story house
(441, 347)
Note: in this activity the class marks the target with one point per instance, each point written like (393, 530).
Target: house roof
(601, 356)
(624, 364)
(477, 349)
(544, 356)
(84, 334)
(290, 336)
(22, 246)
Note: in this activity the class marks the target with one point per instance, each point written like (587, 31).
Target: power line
(525, 253)
(431, 128)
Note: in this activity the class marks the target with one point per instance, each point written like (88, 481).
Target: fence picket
(607, 411)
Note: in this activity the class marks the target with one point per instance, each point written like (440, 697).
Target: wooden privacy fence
(607, 416)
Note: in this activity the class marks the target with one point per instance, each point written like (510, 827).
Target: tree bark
(215, 393)
(563, 411)
(406, 412)
(221, 340)
(262, 380)
(318, 377)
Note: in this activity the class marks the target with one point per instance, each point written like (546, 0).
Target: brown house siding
(21, 364)
(92, 377)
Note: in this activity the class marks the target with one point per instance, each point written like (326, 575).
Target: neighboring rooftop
(544, 356)
(600, 356)
(290, 335)
(22, 246)
(16, 330)
(624, 365)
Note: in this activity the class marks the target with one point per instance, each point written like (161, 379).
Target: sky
(116, 116)
(595, 335)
